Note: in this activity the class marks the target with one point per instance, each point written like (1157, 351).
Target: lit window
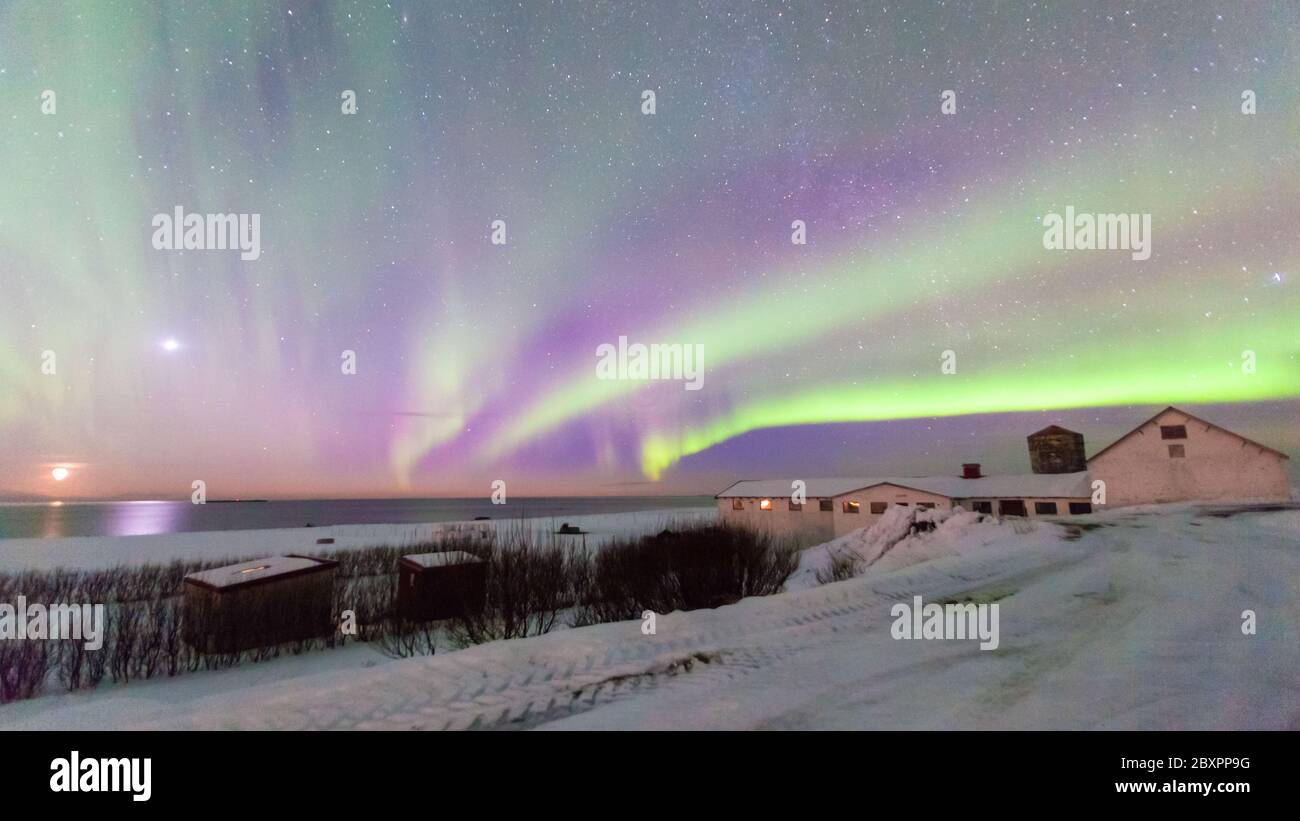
(765, 504)
(852, 507)
(878, 508)
(796, 505)
(1176, 452)
(1173, 431)
(826, 505)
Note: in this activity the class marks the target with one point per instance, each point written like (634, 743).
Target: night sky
(476, 361)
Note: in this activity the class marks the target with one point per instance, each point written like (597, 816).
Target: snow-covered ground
(1135, 623)
(92, 552)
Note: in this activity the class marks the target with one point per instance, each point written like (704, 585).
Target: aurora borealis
(476, 361)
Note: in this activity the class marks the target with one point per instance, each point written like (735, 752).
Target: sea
(139, 518)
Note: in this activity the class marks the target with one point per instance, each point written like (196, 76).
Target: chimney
(970, 471)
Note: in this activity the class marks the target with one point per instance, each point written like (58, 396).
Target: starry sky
(476, 361)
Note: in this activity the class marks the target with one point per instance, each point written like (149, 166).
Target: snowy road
(1134, 624)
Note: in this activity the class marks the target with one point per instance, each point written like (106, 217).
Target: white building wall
(1062, 505)
(809, 526)
(880, 495)
(1216, 465)
(813, 525)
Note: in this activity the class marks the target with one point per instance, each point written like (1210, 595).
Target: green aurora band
(1149, 355)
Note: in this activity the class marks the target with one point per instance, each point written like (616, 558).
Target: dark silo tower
(1056, 450)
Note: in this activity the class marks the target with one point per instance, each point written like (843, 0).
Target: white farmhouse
(1175, 457)
(1171, 457)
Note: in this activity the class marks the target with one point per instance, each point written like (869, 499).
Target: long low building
(833, 507)
(1173, 456)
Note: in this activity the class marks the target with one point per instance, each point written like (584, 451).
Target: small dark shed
(259, 603)
(433, 586)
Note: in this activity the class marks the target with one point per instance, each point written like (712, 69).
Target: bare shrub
(844, 564)
(72, 664)
(529, 586)
(24, 666)
(400, 637)
(532, 587)
(702, 566)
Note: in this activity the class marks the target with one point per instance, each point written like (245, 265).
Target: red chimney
(970, 471)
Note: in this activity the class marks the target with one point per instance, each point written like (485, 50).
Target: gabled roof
(1023, 485)
(1189, 416)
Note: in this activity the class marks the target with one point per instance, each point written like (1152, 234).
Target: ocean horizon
(60, 519)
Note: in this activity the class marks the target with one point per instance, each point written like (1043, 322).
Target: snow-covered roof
(1022, 485)
(779, 488)
(441, 559)
(245, 572)
(1035, 485)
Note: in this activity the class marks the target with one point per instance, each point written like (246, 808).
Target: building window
(1173, 431)
(1012, 507)
(878, 508)
(737, 504)
(982, 507)
(1080, 507)
(1045, 508)
(826, 505)
(901, 504)
(765, 504)
(852, 507)
(796, 505)
(925, 505)
(1176, 452)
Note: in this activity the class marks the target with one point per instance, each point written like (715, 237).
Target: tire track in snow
(528, 682)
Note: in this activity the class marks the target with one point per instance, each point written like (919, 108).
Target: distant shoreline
(101, 551)
(149, 518)
(20, 502)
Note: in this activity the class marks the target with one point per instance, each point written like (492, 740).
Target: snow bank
(903, 536)
(1131, 623)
